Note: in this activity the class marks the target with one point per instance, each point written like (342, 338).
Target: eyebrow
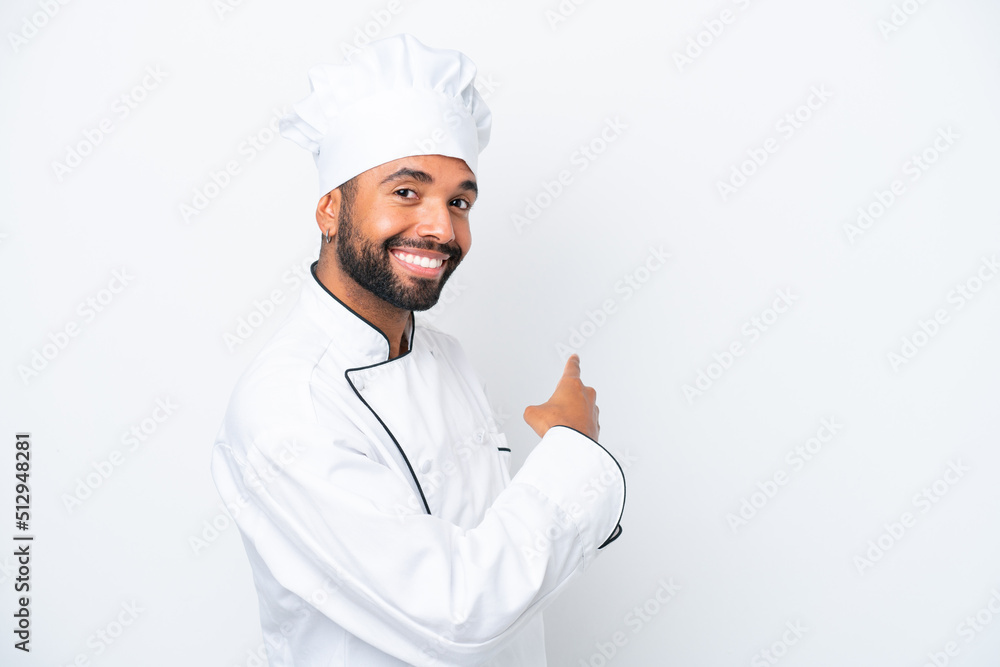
(424, 177)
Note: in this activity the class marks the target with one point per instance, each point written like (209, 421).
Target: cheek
(387, 224)
(463, 236)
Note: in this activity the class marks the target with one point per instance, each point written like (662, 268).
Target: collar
(359, 339)
(409, 332)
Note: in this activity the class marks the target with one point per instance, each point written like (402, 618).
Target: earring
(326, 236)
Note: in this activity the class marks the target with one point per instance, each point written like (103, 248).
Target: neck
(390, 320)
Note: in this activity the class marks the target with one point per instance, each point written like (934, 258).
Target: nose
(435, 222)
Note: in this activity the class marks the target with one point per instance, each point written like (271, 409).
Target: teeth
(416, 260)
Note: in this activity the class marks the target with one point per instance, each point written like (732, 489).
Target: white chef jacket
(375, 502)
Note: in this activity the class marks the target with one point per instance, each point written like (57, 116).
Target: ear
(326, 212)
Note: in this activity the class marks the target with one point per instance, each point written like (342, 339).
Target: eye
(463, 204)
(405, 190)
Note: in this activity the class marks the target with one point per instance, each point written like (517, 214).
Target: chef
(378, 510)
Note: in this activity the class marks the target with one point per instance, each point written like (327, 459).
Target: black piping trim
(614, 536)
(423, 498)
(504, 449)
(413, 335)
(616, 533)
(312, 269)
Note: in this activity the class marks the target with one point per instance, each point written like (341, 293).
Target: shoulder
(275, 393)
(449, 352)
(428, 334)
(445, 347)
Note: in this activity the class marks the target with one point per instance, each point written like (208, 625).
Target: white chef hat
(397, 97)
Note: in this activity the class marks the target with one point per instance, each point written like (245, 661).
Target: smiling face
(402, 228)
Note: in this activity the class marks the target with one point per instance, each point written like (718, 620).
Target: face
(405, 228)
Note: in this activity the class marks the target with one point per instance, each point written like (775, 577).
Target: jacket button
(360, 384)
(479, 435)
(425, 466)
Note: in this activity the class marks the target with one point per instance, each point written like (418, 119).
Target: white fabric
(350, 568)
(394, 99)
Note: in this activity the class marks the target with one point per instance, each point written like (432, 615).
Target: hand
(572, 404)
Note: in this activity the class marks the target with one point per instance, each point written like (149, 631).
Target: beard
(368, 263)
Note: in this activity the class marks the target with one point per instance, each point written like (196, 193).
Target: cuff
(583, 479)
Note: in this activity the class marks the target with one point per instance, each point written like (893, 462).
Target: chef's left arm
(345, 533)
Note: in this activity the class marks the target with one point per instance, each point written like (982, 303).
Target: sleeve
(323, 514)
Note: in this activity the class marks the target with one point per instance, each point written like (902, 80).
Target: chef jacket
(375, 502)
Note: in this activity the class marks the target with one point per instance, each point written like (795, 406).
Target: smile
(420, 264)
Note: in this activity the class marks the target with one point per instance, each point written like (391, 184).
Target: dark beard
(369, 265)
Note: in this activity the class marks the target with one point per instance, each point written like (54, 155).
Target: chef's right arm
(416, 586)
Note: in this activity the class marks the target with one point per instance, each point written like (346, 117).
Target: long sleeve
(322, 513)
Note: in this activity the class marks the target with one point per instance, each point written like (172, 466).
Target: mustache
(453, 251)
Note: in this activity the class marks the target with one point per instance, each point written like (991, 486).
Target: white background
(692, 459)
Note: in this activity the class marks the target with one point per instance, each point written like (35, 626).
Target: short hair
(348, 191)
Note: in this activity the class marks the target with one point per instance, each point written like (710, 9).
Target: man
(377, 507)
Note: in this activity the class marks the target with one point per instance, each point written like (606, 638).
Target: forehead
(448, 171)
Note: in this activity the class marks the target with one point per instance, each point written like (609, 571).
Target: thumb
(572, 368)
